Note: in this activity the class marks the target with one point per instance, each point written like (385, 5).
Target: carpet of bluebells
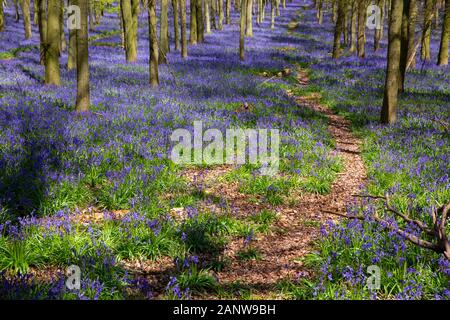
(56, 165)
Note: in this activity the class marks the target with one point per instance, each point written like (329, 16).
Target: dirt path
(296, 227)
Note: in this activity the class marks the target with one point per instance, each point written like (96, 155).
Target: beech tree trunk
(25, 5)
(207, 16)
(200, 26)
(176, 30)
(153, 40)
(127, 20)
(443, 48)
(389, 110)
(426, 31)
(338, 29)
(193, 22)
(353, 26)
(379, 32)
(362, 12)
(52, 71)
(184, 52)
(42, 9)
(249, 22)
(220, 14)
(72, 54)
(242, 25)
(2, 17)
(164, 32)
(83, 90)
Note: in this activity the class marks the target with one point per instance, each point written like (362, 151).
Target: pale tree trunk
(379, 32)
(426, 31)
(25, 5)
(213, 13)
(347, 8)
(319, 13)
(153, 40)
(164, 33)
(207, 16)
(127, 20)
(272, 14)
(412, 19)
(443, 48)
(263, 10)
(249, 20)
(182, 4)
(353, 26)
(220, 14)
(389, 110)
(228, 12)
(338, 29)
(277, 9)
(35, 13)
(193, 22)
(42, 9)
(52, 72)
(200, 26)
(284, 4)
(135, 9)
(242, 23)
(83, 89)
(362, 13)
(176, 30)
(334, 10)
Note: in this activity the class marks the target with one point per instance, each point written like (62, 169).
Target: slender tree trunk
(334, 10)
(347, 8)
(213, 13)
(164, 33)
(379, 32)
(135, 9)
(35, 13)
(153, 40)
(338, 29)
(412, 19)
(2, 17)
(63, 43)
(249, 20)
(184, 52)
(193, 22)
(25, 4)
(52, 72)
(227, 14)
(200, 26)
(353, 26)
(220, 14)
(242, 24)
(389, 110)
(83, 90)
(272, 14)
(403, 47)
(127, 20)
(207, 16)
(443, 48)
(42, 9)
(362, 12)
(426, 31)
(176, 30)
(16, 10)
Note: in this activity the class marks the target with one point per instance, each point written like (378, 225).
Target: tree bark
(227, 14)
(72, 54)
(443, 48)
(249, 20)
(207, 16)
(426, 31)
(16, 10)
(63, 43)
(35, 13)
(52, 71)
(242, 25)
(42, 9)
(389, 110)
(176, 30)
(127, 20)
(164, 33)
(153, 40)
(83, 89)
(2, 17)
(379, 32)
(353, 26)
(412, 19)
(184, 52)
(220, 14)
(272, 14)
(193, 22)
(362, 12)
(338, 29)
(25, 5)
(403, 47)
(200, 26)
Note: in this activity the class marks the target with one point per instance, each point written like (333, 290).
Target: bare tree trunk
(193, 22)
(220, 14)
(200, 26)
(63, 43)
(2, 17)
(207, 16)
(389, 110)
(362, 12)
(227, 14)
(42, 9)
(353, 26)
(403, 47)
(379, 32)
(35, 13)
(184, 52)
(176, 30)
(25, 4)
(16, 10)
(135, 9)
(443, 48)
(272, 14)
(334, 10)
(338, 29)
(249, 22)
(242, 24)
(127, 20)
(164, 33)
(426, 31)
(83, 89)
(153, 39)
(52, 72)
(412, 19)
